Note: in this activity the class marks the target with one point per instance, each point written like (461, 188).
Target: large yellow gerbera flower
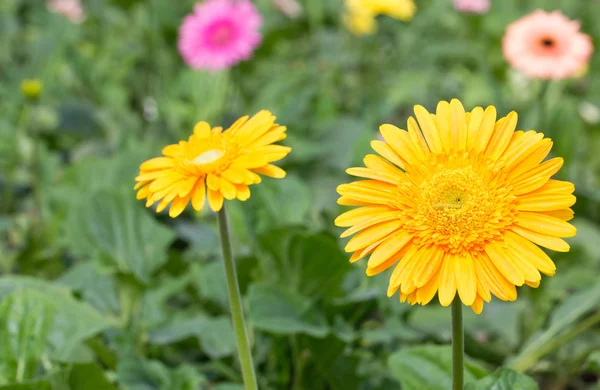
(213, 164)
(459, 202)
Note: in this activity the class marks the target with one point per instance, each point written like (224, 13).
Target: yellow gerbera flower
(360, 14)
(459, 202)
(213, 164)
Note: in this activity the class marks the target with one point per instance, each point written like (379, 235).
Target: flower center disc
(208, 157)
(457, 210)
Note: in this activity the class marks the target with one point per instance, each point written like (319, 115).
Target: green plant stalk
(235, 303)
(458, 346)
(536, 350)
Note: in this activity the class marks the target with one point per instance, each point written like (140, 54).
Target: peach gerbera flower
(547, 45)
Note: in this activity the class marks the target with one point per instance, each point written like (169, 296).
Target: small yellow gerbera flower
(459, 202)
(360, 14)
(31, 88)
(213, 164)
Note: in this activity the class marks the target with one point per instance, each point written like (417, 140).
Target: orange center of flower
(458, 210)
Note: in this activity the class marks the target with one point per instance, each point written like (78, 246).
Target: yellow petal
(473, 125)
(178, 206)
(553, 243)
(536, 177)
(202, 130)
(458, 125)
(157, 163)
(143, 193)
(215, 200)
(271, 171)
(213, 182)
(372, 234)
(243, 192)
(387, 152)
(429, 129)
(447, 289)
(426, 293)
(389, 247)
(466, 279)
(432, 259)
(528, 250)
(486, 128)
(228, 190)
(501, 136)
(545, 224)
(199, 195)
(477, 305)
(504, 264)
(361, 214)
(381, 217)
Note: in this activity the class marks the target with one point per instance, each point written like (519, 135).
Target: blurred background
(97, 292)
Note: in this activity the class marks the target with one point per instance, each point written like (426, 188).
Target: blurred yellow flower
(213, 164)
(360, 14)
(458, 202)
(31, 88)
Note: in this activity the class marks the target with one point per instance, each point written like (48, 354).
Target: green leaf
(97, 289)
(78, 376)
(27, 317)
(563, 318)
(211, 282)
(73, 321)
(217, 337)
(119, 234)
(428, 367)
(136, 373)
(275, 310)
(503, 379)
(215, 334)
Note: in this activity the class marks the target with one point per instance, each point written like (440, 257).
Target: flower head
(70, 9)
(547, 45)
(458, 203)
(31, 88)
(213, 164)
(472, 6)
(360, 14)
(219, 34)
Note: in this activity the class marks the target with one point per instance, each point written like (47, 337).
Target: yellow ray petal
(545, 224)
(553, 243)
(157, 163)
(243, 192)
(477, 305)
(381, 217)
(431, 265)
(442, 120)
(426, 293)
(372, 234)
(417, 138)
(178, 205)
(447, 289)
(271, 170)
(215, 200)
(564, 214)
(473, 127)
(389, 248)
(530, 251)
(227, 190)
(202, 130)
(199, 195)
(486, 129)
(458, 124)
(356, 216)
(500, 259)
(400, 141)
(501, 136)
(387, 152)
(466, 279)
(536, 177)
(429, 129)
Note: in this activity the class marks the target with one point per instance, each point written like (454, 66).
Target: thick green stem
(458, 346)
(235, 302)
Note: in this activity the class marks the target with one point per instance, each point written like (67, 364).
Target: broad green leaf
(503, 379)
(275, 310)
(428, 367)
(135, 373)
(26, 320)
(97, 289)
(562, 319)
(211, 282)
(228, 386)
(217, 337)
(74, 377)
(118, 233)
(73, 322)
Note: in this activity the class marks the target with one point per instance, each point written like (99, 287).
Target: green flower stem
(235, 302)
(458, 345)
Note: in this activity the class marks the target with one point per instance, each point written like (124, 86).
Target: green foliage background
(97, 292)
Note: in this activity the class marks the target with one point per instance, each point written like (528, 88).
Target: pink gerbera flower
(472, 6)
(70, 9)
(219, 34)
(547, 45)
